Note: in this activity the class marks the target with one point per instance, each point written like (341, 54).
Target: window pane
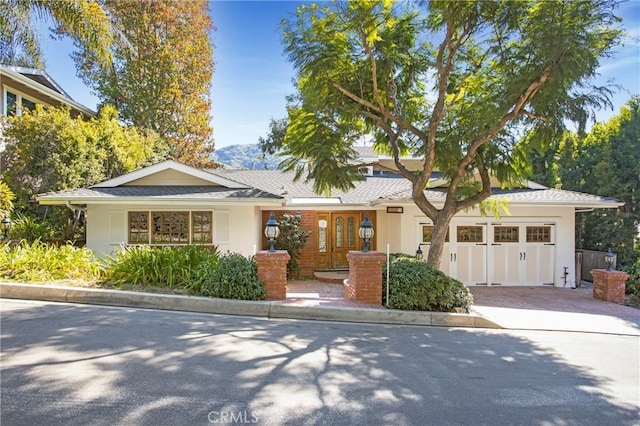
(506, 234)
(322, 236)
(351, 232)
(139, 227)
(170, 228)
(339, 232)
(427, 234)
(12, 102)
(28, 105)
(538, 234)
(469, 234)
(201, 227)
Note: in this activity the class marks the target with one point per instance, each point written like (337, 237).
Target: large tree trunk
(438, 238)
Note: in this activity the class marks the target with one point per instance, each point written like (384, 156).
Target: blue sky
(252, 76)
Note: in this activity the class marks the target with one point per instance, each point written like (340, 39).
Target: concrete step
(333, 277)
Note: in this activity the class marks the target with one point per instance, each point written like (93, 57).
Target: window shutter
(221, 227)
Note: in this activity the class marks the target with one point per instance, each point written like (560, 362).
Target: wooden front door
(344, 233)
(338, 235)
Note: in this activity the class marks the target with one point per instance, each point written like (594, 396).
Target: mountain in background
(245, 157)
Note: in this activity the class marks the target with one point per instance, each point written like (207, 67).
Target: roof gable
(169, 173)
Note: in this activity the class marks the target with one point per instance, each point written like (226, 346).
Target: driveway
(550, 308)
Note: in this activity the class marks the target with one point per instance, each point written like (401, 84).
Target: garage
(496, 254)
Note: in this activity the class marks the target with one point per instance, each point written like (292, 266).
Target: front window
(160, 228)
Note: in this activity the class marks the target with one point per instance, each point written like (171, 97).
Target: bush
(186, 267)
(415, 286)
(235, 277)
(633, 283)
(38, 261)
(292, 239)
(31, 229)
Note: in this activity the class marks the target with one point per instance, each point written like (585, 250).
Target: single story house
(171, 204)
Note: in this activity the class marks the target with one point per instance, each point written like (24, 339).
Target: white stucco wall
(107, 226)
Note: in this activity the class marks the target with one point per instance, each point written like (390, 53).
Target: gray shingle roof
(369, 189)
(168, 192)
(522, 195)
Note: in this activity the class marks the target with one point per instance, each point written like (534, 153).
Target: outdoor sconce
(366, 232)
(271, 231)
(419, 254)
(6, 225)
(608, 258)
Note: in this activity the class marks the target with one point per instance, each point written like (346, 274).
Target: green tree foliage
(455, 83)
(83, 20)
(6, 199)
(606, 161)
(161, 73)
(48, 150)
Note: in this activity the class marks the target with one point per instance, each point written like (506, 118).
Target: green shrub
(31, 229)
(38, 261)
(633, 283)
(235, 277)
(185, 267)
(292, 239)
(415, 286)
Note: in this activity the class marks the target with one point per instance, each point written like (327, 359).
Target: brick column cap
(354, 254)
(278, 254)
(613, 274)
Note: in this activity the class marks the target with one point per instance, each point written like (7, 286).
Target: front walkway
(317, 293)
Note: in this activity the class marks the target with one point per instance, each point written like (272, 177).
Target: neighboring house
(22, 88)
(171, 204)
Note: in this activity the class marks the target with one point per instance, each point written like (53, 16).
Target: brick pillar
(365, 277)
(609, 285)
(272, 271)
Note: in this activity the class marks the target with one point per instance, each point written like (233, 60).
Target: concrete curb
(239, 307)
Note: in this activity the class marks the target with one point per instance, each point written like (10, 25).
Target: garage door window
(506, 234)
(469, 234)
(427, 234)
(538, 234)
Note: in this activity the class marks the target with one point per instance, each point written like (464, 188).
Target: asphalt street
(77, 364)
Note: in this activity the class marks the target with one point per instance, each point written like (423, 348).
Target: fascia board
(167, 165)
(47, 91)
(53, 201)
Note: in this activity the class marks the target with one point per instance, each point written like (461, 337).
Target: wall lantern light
(271, 231)
(609, 258)
(6, 225)
(419, 253)
(366, 232)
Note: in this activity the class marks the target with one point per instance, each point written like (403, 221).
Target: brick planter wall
(365, 277)
(609, 285)
(272, 271)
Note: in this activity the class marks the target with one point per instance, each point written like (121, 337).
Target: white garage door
(496, 254)
(522, 254)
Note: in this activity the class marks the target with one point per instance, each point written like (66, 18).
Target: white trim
(9, 72)
(170, 165)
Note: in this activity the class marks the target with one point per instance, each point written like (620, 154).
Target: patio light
(419, 253)
(6, 225)
(271, 231)
(609, 258)
(366, 232)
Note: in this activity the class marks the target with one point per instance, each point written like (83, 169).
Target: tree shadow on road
(77, 364)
